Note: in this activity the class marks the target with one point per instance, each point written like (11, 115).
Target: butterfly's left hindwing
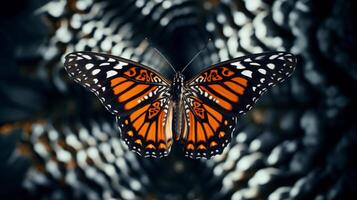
(228, 90)
(132, 92)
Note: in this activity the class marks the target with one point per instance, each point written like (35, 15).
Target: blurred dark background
(58, 142)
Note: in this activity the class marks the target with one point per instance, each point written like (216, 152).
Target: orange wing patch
(116, 81)
(213, 75)
(154, 109)
(234, 87)
(241, 81)
(206, 135)
(216, 93)
(223, 103)
(139, 98)
(121, 87)
(132, 92)
(131, 72)
(148, 133)
(222, 85)
(225, 93)
(134, 86)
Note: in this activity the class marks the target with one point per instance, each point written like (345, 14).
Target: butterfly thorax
(176, 98)
(176, 88)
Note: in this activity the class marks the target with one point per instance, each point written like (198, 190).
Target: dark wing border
(121, 59)
(239, 59)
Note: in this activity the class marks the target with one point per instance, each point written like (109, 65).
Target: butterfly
(201, 113)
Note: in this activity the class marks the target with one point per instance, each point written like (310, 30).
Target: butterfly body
(201, 113)
(177, 89)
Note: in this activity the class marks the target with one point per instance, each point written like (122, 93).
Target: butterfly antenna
(197, 54)
(165, 59)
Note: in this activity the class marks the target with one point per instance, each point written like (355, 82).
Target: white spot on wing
(247, 73)
(87, 57)
(238, 65)
(262, 71)
(95, 72)
(89, 66)
(253, 63)
(247, 60)
(270, 65)
(99, 57)
(111, 73)
(273, 57)
(104, 64)
(120, 65)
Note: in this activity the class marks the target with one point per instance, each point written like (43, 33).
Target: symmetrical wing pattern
(229, 89)
(141, 101)
(125, 87)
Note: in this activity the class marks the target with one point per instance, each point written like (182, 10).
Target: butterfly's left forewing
(135, 94)
(217, 96)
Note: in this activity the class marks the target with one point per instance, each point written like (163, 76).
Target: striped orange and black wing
(134, 93)
(148, 130)
(217, 96)
(208, 129)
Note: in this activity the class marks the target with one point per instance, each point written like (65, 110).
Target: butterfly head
(177, 86)
(179, 77)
